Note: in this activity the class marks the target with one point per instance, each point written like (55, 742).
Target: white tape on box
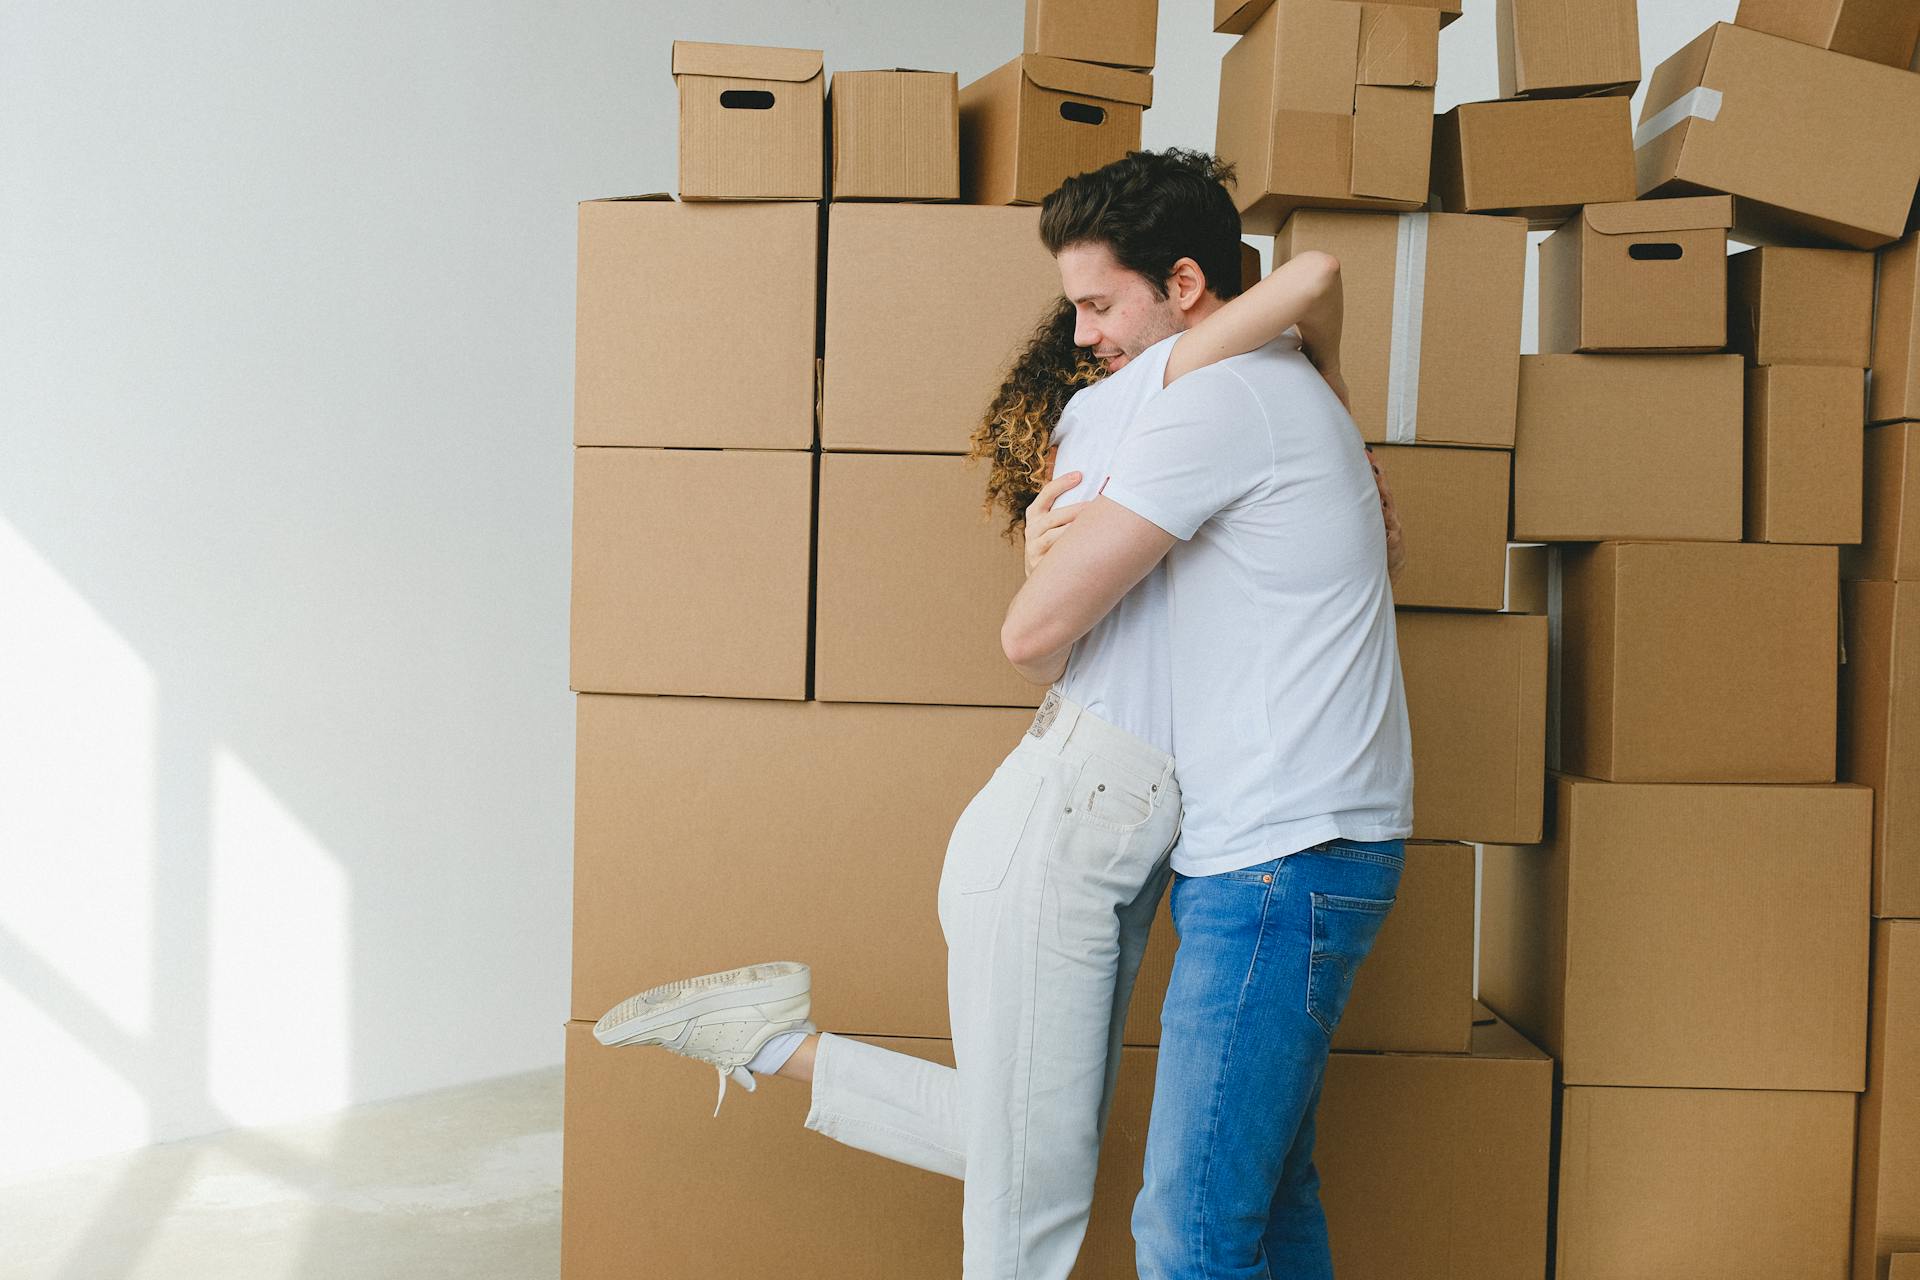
(1695, 104)
(1403, 346)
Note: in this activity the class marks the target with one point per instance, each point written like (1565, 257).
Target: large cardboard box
(1877, 30)
(1699, 662)
(1628, 446)
(1537, 159)
(751, 122)
(1642, 275)
(667, 599)
(1889, 547)
(1709, 1184)
(1886, 1211)
(1814, 144)
(913, 580)
(1790, 305)
(1453, 513)
(1880, 731)
(1648, 942)
(1558, 48)
(1233, 17)
(1431, 337)
(658, 334)
(896, 135)
(1119, 35)
(1329, 104)
(1035, 122)
(1476, 687)
(1895, 386)
(1805, 450)
(901, 376)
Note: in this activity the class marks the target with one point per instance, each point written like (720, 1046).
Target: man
(1249, 481)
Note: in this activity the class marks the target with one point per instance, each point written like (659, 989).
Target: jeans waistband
(1061, 723)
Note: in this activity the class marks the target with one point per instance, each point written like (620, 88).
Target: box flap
(1643, 217)
(744, 61)
(1088, 80)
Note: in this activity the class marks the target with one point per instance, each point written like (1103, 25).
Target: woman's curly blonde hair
(1016, 434)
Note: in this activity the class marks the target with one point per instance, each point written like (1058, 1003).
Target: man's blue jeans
(1266, 959)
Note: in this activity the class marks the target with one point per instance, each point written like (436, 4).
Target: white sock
(774, 1053)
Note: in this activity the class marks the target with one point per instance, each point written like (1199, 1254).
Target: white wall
(286, 307)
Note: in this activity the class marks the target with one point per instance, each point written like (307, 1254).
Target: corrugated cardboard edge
(745, 61)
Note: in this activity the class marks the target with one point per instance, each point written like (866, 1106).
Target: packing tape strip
(1403, 346)
(1695, 104)
(1553, 657)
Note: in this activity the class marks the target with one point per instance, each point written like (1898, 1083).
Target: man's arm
(1076, 584)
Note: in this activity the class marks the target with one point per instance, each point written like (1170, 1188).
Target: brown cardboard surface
(1879, 720)
(668, 600)
(1460, 386)
(1805, 451)
(751, 122)
(1687, 936)
(1233, 17)
(1537, 159)
(659, 335)
(905, 377)
(1665, 648)
(1877, 30)
(1037, 121)
(1889, 547)
(1414, 993)
(1703, 1183)
(1895, 387)
(1119, 35)
(1628, 446)
(1646, 275)
(1567, 48)
(896, 135)
(1476, 701)
(1886, 1217)
(1904, 1266)
(1453, 513)
(1526, 578)
(1817, 146)
(1788, 305)
(913, 584)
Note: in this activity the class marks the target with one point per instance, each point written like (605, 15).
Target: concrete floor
(462, 1183)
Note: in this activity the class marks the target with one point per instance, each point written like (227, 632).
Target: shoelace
(741, 1076)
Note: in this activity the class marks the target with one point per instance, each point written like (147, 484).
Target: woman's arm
(1304, 291)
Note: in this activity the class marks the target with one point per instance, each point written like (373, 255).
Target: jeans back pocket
(989, 831)
(1343, 933)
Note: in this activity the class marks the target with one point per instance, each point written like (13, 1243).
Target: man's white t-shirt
(1290, 720)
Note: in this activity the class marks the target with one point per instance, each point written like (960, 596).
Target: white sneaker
(721, 1019)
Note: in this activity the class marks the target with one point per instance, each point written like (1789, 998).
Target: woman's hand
(1396, 541)
(1046, 522)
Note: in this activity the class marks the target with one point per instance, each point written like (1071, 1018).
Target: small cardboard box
(659, 332)
(1527, 575)
(913, 583)
(1035, 122)
(1790, 305)
(1116, 34)
(1805, 450)
(904, 377)
(1643, 275)
(1537, 159)
(1703, 1182)
(1325, 103)
(1886, 1213)
(1553, 49)
(1476, 687)
(1895, 386)
(1234, 17)
(1814, 144)
(1628, 446)
(752, 123)
(1737, 993)
(1877, 30)
(1880, 731)
(896, 135)
(1448, 371)
(1889, 547)
(1699, 662)
(668, 600)
(1453, 513)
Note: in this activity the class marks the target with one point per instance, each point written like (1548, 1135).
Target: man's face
(1117, 313)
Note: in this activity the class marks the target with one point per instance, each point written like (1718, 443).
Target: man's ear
(1186, 284)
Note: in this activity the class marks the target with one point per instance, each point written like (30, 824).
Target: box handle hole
(1662, 252)
(746, 99)
(1082, 112)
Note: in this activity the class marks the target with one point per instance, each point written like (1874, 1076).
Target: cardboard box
(1737, 993)
(1801, 306)
(1234, 17)
(1537, 159)
(751, 122)
(658, 333)
(1448, 373)
(1628, 446)
(1526, 578)
(1904, 1266)
(1805, 451)
(914, 580)
(1476, 701)
(1815, 145)
(1119, 35)
(1329, 104)
(896, 135)
(1554, 49)
(1644, 275)
(1453, 512)
(1249, 265)
(1699, 662)
(904, 377)
(1877, 30)
(1886, 1215)
(1889, 547)
(667, 599)
(1894, 390)
(1414, 993)
(1035, 122)
(1702, 1183)
(1879, 720)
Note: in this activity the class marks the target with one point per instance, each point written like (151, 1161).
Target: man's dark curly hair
(1152, 209)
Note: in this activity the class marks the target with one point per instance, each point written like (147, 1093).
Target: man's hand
(1396, 542)
(1045, 522)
